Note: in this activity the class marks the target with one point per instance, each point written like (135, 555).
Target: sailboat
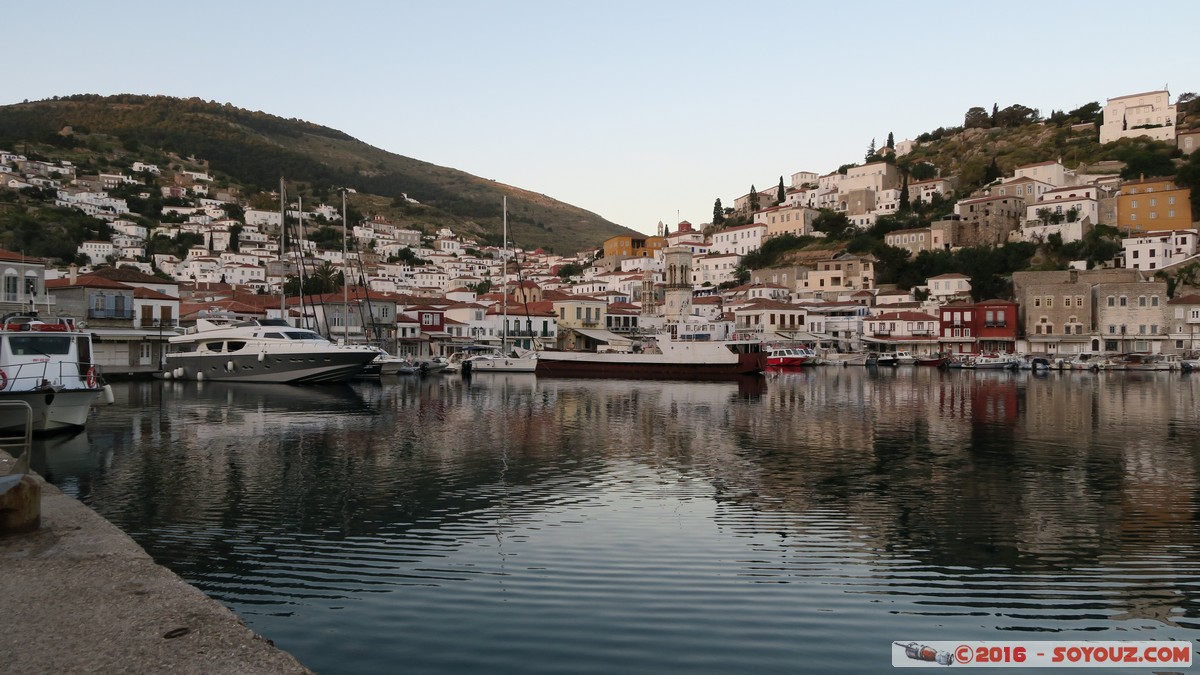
(503, 360)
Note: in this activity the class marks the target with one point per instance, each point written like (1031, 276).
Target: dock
(80, 596)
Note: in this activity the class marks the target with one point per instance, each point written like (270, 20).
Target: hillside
(252, 150)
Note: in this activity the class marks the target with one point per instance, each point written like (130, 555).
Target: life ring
(3, 380)
(91, 377)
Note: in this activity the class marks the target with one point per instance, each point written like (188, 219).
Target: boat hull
(501, 364)
(52, 410)
(294, 368)
(651, 366)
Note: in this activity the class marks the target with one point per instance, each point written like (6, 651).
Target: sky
(638, 111)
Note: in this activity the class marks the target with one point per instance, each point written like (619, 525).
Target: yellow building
(1152, 204)
(619, 248)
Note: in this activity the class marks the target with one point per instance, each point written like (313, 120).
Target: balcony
(922, 333)
(881, 332)
(995, 324)
(94, 313)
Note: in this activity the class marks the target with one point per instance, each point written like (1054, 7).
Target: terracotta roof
(903, 316)
(86, 281)
(129, 274)
(148, 294)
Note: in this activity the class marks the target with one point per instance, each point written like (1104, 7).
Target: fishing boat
(47, 364)
(262, 350)
(789, 357)
(660, 356)
(993, 362)
(935, 360)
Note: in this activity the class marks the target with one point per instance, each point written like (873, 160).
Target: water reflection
(736, 525)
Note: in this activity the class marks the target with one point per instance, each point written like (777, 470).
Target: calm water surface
(796, 523)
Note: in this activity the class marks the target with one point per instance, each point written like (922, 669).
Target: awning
(104, 334)
(604, 336)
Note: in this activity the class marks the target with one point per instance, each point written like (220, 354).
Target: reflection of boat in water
(267, 351)
(284, 398)
(48, 365)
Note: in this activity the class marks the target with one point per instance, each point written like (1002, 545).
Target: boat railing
(49, 375)
(24, 440)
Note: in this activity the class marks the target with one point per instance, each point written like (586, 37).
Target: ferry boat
(663, 356)
(48, 365)
(267, 350)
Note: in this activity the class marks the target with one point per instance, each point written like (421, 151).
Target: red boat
(935, 361)
(790, 357)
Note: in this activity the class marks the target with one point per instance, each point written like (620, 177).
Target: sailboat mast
(345, 279)
(282, 251)
(504, 278)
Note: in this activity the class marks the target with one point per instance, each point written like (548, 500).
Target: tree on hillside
(1189, 177)
(871, 151)
(1015, 115)
(904, 203)
(1086, 113)
(754, 205)
(922, 171)
(834, 224)
(780, 194)
(891, 141)
(976, 118)
(718, 213)
(995, 114)
(993, 172)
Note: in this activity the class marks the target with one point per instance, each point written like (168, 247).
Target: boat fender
(91, 377)
(108, 394)
(229, 366)
(3, 380)
(179, 373)
(262, 356)
(199, 377)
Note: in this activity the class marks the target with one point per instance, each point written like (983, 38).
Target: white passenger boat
(47, 364)
(225, 349)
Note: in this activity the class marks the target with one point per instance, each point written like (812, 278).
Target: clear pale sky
(638, 111)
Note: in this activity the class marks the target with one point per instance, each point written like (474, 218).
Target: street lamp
(161, 359)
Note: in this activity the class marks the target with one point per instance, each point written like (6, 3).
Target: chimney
(73, 273)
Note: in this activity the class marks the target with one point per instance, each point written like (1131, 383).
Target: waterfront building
(1133, 316)
(985, 327)
(916, 332)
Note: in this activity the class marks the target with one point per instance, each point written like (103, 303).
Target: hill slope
(254, 149)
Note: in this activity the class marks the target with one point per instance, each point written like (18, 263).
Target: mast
(346, 279)
(504, 280)
(282, 250)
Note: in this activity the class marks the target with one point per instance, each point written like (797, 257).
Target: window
(1124, 301)
(1154, 301)
(1142, 329)
(1112, 330)
(1049, 301)
(1141, 301)
(1133, 204)
(1112, 301)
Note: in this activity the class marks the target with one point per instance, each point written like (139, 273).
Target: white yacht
(226, 349)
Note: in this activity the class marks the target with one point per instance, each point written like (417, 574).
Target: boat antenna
(504, 278)
(282, 250)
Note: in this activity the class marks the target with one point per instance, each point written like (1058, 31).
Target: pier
(80, 596)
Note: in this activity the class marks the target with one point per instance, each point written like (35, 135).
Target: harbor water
(793, 523)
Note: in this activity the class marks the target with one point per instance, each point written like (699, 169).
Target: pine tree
(718, 213)
(753, 199)
(871, 150)
(995, 113)
(993, 172)
(780, 195)
(891, 141)
(904, 205)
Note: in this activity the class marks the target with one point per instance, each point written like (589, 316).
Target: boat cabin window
(303, 335)
(235, 346)
(277, 336)
(39, 345)
(213, 347)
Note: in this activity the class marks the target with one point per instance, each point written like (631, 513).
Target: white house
(1146, 114)
(740, 240)
(1159, 249)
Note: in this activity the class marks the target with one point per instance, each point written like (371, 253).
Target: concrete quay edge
(80, 596)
